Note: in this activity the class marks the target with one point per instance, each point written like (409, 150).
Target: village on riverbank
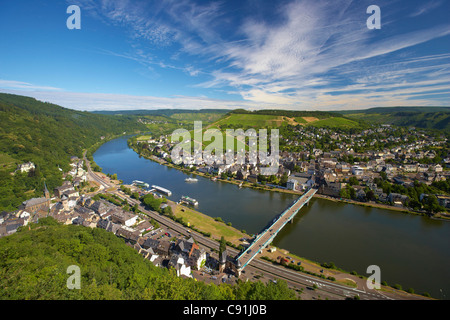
(411, 174)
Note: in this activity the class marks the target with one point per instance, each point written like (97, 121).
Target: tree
(353, 181)
(222, 245)
(370, 195)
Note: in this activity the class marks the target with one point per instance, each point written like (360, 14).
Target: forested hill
(34, 266)
(288, 113)
(437, 118)
(47, 135)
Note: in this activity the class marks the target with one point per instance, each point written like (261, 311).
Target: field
(206, 223)
(246, 121)
(335, 122)
(166, 124)
(258, 121)
(6, 162)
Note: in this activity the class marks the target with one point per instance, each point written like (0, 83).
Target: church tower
(46, 193)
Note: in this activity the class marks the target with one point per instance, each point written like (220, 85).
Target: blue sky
(301, 55)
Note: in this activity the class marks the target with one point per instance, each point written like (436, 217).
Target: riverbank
(279, 256)
(245, 208)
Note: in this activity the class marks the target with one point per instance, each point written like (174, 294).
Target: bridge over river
(267, 235)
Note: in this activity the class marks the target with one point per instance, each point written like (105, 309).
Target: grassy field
(258, 121)
(335, 122)
(144, 138)
(301, 120)
(244, 121)
(159, 125)
(6, 161)
(206, 223)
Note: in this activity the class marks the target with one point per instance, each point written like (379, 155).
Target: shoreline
(246, 184)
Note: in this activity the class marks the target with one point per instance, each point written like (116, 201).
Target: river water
(410, 250)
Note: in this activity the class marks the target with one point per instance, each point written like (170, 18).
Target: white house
(26, 167)
(178, 263)
(123, 217)
(357, 170)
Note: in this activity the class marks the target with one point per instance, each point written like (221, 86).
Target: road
(295, 279)
(94, 176)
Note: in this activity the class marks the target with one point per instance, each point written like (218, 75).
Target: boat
(191, 180)
(189, 200)
(162, 190)
(240, 185)
(214, 178)
(139, 183)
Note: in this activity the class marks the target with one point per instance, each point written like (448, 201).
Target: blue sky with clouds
(303, 55)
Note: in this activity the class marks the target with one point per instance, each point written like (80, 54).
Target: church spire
(46, 193)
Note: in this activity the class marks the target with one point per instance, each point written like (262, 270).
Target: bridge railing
(279, 217)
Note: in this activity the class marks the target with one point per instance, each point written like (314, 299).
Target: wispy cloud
(12, 84)
(427, 7)
(107, 101)
(308, 53)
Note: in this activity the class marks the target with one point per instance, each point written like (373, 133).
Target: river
(410, 250)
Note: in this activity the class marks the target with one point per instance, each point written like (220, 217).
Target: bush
(397, 286)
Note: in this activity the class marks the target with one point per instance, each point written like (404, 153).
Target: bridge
(269, 233)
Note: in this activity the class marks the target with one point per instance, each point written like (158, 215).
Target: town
(404, 168)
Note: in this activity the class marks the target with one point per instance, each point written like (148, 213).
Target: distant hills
(437, 118)
(162, 112)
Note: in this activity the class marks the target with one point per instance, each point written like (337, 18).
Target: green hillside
(47, 135)
(335, 122)
(245, 121)
(163, 122)
(34, 264)
(437, 118)
(280, 118)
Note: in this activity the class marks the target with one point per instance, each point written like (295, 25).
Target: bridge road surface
(267, 236)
